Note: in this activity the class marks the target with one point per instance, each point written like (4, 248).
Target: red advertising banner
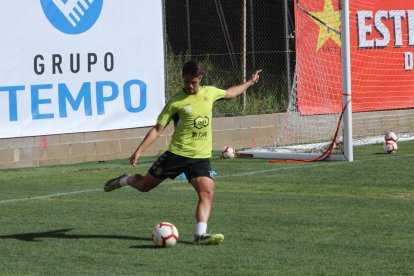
(382, 51)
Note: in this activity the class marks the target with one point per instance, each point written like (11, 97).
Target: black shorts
(171, 165)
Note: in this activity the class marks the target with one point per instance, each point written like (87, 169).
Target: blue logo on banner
(72, 16)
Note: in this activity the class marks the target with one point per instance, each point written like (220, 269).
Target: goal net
(381, 41)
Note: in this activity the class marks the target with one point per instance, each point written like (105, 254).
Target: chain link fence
(233, 38)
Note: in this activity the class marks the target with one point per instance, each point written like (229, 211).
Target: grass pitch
(342, 218)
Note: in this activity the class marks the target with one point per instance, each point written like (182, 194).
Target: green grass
(325, 218)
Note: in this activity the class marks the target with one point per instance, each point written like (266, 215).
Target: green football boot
(208, 239)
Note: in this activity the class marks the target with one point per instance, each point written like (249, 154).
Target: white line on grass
(175, 181)
(48, 196)
(167, 182)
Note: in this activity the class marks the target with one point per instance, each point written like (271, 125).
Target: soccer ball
(228, 152)
(390, 136)
(165, 234)
(390, 147)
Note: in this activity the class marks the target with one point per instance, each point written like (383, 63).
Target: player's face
(191, 84)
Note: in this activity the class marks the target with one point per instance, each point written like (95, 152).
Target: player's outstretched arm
(151, 136)
(236, 90)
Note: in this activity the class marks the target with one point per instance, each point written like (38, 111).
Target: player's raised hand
(255, 77)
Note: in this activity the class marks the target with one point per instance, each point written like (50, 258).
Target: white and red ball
(390, 147)
(390, 136)
(165, 234)
(228, 152)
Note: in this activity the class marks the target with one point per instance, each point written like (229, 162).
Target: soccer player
(191, 145)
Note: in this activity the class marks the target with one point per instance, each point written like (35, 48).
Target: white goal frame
(346, 113)
(346, 82)
(321, 121)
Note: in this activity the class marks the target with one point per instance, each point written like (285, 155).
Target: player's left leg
(141, 183)
(204, 186)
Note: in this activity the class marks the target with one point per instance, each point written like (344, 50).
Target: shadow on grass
(62, 234)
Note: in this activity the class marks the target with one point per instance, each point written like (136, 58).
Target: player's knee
(206, 195)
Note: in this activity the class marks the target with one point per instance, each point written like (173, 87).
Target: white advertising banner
(80, 65)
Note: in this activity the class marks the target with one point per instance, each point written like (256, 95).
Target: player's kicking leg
(137, 181)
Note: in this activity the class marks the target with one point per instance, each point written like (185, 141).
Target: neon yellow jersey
(192, 121)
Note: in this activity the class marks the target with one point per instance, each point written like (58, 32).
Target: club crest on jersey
(201, 122)
(205, 98)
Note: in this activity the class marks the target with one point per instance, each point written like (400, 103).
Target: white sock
(124, 180)
(201, 228)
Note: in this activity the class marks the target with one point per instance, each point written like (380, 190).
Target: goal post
(346, 81)
(353, 79)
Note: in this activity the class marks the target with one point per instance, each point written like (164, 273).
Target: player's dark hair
(192, 68)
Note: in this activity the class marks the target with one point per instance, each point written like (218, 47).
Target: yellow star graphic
(330, 17)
